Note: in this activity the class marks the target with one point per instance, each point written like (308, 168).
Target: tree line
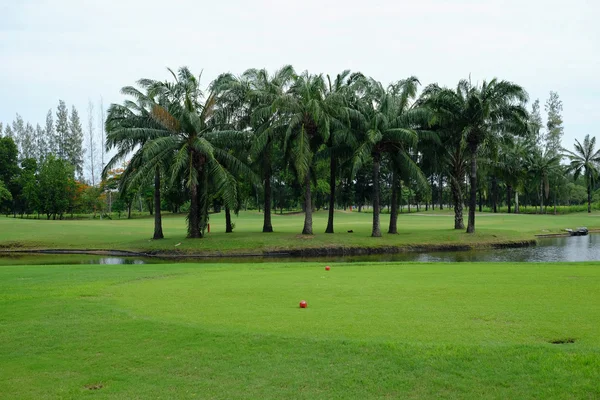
(287, 139)
(43, 167)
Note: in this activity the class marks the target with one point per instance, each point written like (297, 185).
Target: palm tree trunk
(473, 197)
(194, 214)
(267, 226)
(494, 193)
(194, 230)
(203, 200)
(432, 194)
(376, 225)
(542, 196)
(508, 194)
(457, 199)
(393, 228)
(158, 233)
(228, 225)
(332, 170)
(589, 193)
(441, 190)
(307, 206)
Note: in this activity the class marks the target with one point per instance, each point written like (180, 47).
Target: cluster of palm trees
(210, 142)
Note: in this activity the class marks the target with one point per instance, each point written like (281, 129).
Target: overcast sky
(77, 50)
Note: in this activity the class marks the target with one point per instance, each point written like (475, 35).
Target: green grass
(372, 330)
(414, 229)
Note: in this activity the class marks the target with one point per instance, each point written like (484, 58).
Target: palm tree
(129, 128)
(479, 113)
(443, 105)
(403, 168)
(511, 164)
(307, 118)
(542, 164)
(258, 90)
(389, 128)
(185, 132)
(342, 101)
(585, 160)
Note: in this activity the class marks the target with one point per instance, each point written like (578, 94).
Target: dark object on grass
(350, 231)
(582, 231)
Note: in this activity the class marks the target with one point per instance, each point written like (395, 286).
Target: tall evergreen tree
(1, 129)
(49, 133)
(91, 144)
(27, 143)
(41, 143)
(102, 134)
(18, 129)
(554, 124)
(62, 129)
(8, 132)
(535, 124)
(74, 143)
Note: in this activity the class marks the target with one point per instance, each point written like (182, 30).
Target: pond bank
(304, 252)
(562, 234)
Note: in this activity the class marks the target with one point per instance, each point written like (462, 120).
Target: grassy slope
(424, 229)
(370, 331)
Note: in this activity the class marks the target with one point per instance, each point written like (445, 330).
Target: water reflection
(576, 248)
(116, 260)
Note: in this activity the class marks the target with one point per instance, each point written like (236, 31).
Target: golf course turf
(235, 330)
(423, 231)
(371, 330)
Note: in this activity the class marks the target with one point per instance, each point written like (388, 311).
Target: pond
(576, 248)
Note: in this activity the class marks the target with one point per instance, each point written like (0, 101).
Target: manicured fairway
(372, 330)
(423, 229)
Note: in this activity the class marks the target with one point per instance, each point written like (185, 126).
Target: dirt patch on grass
(562, 341)
(94, 386)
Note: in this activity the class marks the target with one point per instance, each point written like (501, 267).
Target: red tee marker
(303, 304)
(327, 268)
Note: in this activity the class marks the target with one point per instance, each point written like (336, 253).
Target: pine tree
(50, 136)
(41, 144)
(18, 129)
(1, 129)
(74, 143)
(91, 145)
(8, 132)
(554, 124)
(27, 143)
(535, 123)
(62, 129)
(102, 134)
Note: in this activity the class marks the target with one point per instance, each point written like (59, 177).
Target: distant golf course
(373, 330)
(421, 230)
